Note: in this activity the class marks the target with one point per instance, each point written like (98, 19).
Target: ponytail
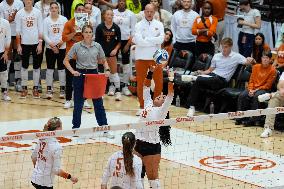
(128, 142)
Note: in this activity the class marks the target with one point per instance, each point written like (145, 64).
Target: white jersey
(52, 30)
(126, 21)
(181, 26)
(115, 171)
(5, 35)
(45, 10)
(7, 11)
(151, 113)
(48, 154)
(29, 25)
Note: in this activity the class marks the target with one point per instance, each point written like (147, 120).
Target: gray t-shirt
(86, 57)
(250, 18)
(225, 66)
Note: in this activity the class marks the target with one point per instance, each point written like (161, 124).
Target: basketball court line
(193, 149)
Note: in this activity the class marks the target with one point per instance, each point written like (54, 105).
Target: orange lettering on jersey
(117, 167)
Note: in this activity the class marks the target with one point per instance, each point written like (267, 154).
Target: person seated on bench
(276, 100)
(223, 66)
(261, 80)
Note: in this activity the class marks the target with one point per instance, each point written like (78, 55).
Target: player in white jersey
(46, 158)
(55, 48)
(5, 41)
(8, 10)
(126, 20)
(148, 138)
(29, 29)
(124, 168)
(44, 7)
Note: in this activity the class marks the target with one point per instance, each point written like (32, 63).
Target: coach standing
(148, 37)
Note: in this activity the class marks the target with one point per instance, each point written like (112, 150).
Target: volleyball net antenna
(207, 151)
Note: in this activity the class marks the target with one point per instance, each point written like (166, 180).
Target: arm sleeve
(213, 62)
(242, 59)
(118, 34)
(173, 27)
(251, 79)
(57, 161)
(40, 24)
(18, 23)
(132, 24)
(45, 32)
(99, 35)
(35, 151)
(99, 18)
(213, 27)
(166, 105)
(8, 35)
(157, 40)
(268, 84)
(194, 27)
(72, 52)
(137, 172)
(101, 52)
(107, 172)
(66, 31)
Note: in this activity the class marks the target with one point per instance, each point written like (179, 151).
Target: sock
(126, 73)
(49, 77)
(62, 77)
(24, 76)
(36, 77)
(155, 184)
(3, 79)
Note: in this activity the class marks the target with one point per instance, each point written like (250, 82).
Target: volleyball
(161, 56)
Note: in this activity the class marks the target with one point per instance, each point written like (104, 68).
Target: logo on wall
(237, 163)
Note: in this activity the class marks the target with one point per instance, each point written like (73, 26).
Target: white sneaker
(5, 97)
(118, 96)
(126, 91)
(68, 104)
(49, 94)
(266, 133)
(191, 111)
(139, 112)
(87, 105)
(111, 90)
(107, 135)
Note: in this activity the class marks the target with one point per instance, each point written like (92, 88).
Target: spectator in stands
(160, 14)
(261, 81)
(74, 5)
(126, 21)
(279, 39)
(94, 13)
(222, 68)
(148, 37)
(108, 35)
(248, 22)
(279, 61)
(276, 100)
(259, 46)
(219, 8)
(168, 39)
(176, 5)
(181, 26)
(204, 27)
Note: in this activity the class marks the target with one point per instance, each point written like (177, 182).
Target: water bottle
(212, 108)
(177, 101)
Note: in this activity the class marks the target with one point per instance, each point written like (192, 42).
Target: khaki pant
(275, 101)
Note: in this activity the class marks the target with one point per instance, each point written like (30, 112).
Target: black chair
(229, 95)
(202, 63)
(213, 95)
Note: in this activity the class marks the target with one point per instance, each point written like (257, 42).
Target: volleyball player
(109, 37)
(55, 49)
(126, 20)
(46, 159)
(124, 168)
(8, 10)
(148, 138)
(5, 41)
(29, 40)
